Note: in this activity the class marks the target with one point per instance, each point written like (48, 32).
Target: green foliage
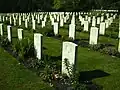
(73, 77)
(6, 22)
(56, 4)
(18, 77)
(96, 47)
(112, 35)
(46, 73)
(4, 42)
(24, 48)
(110, 51)
(49, 66)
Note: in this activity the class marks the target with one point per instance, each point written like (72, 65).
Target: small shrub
(32, 63)
(73, 79)
(46, 73)
(96, 47)
(110, 51)
(112, 35)
(24, 48)
(4, 42)
(49, 34)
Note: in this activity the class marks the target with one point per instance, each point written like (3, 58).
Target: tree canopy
(56, 5)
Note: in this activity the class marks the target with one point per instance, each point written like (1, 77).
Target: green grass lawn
(14, 76)
(87, 60)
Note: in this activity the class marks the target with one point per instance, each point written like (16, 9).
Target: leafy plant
(96, 47)
(24, 48)
(109, 50)
(73, 77)
(4, 42)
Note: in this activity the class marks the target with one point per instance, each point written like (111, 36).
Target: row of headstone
(69, 49)
(61, 21)
(72, 25)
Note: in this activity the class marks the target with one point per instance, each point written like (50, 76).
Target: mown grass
(87, 60)
(14, 76)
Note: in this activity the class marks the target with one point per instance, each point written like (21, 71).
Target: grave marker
(38, 44)
(26, 23)
(102, 28)
(1, 29)
(33, 24)
(20, 34)
(72, 31)
(93, 22)
(68, 52)
(9, 32)
(93, 35)
(86, 25)
(56, 28)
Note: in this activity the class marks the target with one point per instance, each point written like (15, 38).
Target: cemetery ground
(93, 65)
(14, 76)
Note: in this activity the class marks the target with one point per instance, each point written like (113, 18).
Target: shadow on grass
(44, 48)
(84, 43)
(90, 75)
(108, 44)
(56, 57)
(84, 39)
(14, 36)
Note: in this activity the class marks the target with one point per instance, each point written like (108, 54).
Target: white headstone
(10, 20)
(1, 29)
(56, 28)
(102, 18)
(23, 17)
(72, 31)
(6, 18)
(9, 33)
(93, 22)
(26, 23)
(38, 44)
(57, 18)
(89, 19)
(14, 22)
(38, 19)
(98, 20)
(82, 21)
(0, 19)
(86, 25)
(64, 19)
(68, 52)
(33, 24)
(102, 28)
(119, 46)
(43, 24)
(119, 27)
(3, 18)
(20, 21)
(52, 21)
(107, 23)
(20, 34)
(61, 23)
(93, 35)
(86, 17)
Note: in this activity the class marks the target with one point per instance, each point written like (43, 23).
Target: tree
(57, 4)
